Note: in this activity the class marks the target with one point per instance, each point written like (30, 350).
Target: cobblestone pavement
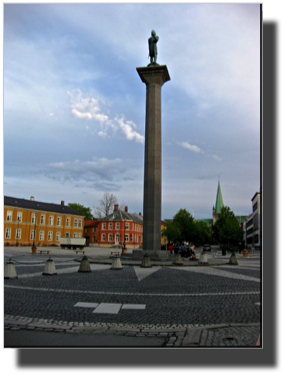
(190, 306)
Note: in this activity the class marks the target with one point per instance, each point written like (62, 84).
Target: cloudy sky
(74, 104)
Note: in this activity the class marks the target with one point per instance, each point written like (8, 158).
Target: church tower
(219, 204)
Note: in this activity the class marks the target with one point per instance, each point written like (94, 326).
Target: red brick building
(119, 227)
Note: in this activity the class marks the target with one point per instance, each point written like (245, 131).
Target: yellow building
(28, 222)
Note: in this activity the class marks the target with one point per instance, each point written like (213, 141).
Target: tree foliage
(183, 228)
(86, 211)
(226, 230)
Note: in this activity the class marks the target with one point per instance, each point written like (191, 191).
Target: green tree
(171, 232)
(86, 211)
(227, 231)
(184, 229)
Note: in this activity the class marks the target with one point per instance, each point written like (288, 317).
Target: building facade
(253, 224)
(116, 229)
(91, 232)
(28, 222)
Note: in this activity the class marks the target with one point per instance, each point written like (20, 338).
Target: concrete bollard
(9, 271)
(203, 258)
(146, 263)
(49, 267)
(233, 259)
(85, 265)
(178, 259)
(116, 264)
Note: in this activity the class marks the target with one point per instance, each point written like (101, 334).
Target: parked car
(206, 247)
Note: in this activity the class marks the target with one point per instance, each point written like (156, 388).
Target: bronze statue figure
(153, 48)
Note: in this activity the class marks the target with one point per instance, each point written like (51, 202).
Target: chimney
(32, 198)
(62, 203)
(140, 214)
(115, 207)
(126, 209)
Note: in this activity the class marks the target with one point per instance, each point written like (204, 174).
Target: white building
(253, 224)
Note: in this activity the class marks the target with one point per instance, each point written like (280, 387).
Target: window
(255, 207)
(67, 235)
(34, 217)
(86, 230)
(41, 235)
(67, 221)
(75, 235)
(110, 226)
(79, 235)
(104, 226)
(8, 233)
(57, 236)
(19, 216)
(110, 237)
(18, 234)
(50, 235)
(9, 215)
(32, 235)
(126, 238)
(80, 223)
(51, 220)
(94, 230)
(93, 239)
(127, 226)
(117, 225)
(75, 222)
(103, 237)
(58, 221)
(42, 219)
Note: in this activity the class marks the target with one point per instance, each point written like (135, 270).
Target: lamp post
(124, 243)
(34, 248)
(17, 232)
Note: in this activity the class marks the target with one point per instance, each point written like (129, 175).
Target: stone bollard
(9, 271)
(203, 258)
(116, 264)
(178, 259)
(85, 265)
(233, 259)
(146, 263)
(49, 267)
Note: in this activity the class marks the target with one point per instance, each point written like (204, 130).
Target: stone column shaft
(154, 78)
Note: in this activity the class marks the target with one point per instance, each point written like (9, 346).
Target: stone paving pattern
(190, 306)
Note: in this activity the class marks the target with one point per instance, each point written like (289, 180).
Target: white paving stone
(108, 308)
(145, 272)
(133, 306)
(218, 272)
(86, 304)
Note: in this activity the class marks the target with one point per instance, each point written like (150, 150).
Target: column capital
(154, 74)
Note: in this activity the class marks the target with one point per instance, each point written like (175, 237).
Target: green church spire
(219, 204)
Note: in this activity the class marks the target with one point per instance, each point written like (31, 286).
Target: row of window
(126, 226)
(117, 237)
(41, 235)
(77, 222)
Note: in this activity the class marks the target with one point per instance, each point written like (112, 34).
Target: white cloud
(192, 148)
(88, 108)
(128, 129)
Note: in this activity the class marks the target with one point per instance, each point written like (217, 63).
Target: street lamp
(34, 247)
(124, 243)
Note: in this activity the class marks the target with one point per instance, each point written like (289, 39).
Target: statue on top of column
(152, 43)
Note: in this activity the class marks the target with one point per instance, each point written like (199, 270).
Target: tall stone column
(154, 77)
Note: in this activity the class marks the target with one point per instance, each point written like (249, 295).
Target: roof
(120, 215)
(219, 204)
(91, 223)
(42, 206)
